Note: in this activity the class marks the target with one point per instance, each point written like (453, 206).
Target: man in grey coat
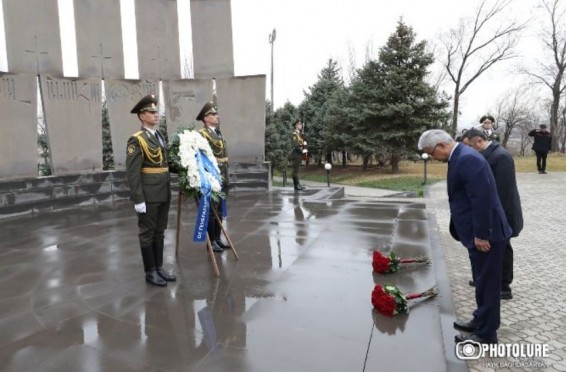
(503, 168)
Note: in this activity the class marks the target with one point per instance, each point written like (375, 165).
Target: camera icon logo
(468, 350)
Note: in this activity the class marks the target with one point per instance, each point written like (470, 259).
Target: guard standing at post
(297, 153)
(148, 178)
(486, 126)
(209, 116)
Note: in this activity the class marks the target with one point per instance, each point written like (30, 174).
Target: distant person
(486, 125)
(503, 168)
(297, 152)
(148, 177)
(209, 117)
(459, 138)
(542, 144)
(479, 222)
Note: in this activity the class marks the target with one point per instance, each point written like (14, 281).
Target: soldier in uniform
(297, 152)
(209, 116)
(486, 126)
(148, 178)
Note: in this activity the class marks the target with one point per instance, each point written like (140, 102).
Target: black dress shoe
(474, 338)
(301, 187)
(465, 326)
(153, 278)
(506, 294)
(165, 275)
(471, 283)
(222, 245)
(216, 248)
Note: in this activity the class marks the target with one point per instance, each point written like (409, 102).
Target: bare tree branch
(471, 51)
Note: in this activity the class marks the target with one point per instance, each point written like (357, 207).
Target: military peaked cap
(483, 118)
(147, 103)
(207, 109)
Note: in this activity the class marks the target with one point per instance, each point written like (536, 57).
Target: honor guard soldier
(148, 178)
(299, 149)
(209, 116)
(486, 125)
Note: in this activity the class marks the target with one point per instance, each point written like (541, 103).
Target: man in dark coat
(503, 168)
(480, 224)
(209, 116)
(542, 144)
(148, 178)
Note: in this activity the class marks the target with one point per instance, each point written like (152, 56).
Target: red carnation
(383, 302)
(390, 263)
(380, 262)
(389, 300)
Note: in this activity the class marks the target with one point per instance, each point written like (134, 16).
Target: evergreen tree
(278, 134)
(393, 102)
(313, 110)
(107, 152)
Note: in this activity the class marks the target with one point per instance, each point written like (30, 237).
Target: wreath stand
(208, 242)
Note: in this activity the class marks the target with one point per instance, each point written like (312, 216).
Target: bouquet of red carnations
(390, 263)
(389, 300)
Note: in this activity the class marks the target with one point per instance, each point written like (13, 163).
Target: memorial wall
(72, 106)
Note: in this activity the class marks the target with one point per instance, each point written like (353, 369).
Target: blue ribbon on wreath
(205, 165)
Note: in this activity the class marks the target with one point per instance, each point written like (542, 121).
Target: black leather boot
(296, 184)
(166, 275)
(153, 278)
(215, 247)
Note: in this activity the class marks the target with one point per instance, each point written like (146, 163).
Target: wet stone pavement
(73, 296)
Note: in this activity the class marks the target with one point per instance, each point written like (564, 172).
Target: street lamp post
(271, 41)
(425, 158)
(328, 167)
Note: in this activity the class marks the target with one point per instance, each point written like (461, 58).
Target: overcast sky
(309, 32)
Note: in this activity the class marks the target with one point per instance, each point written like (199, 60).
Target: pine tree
(393, 102)
(313, 110)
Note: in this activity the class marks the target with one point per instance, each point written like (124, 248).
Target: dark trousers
(507, 268)
(487, 274)
(296, 163)
(541, 160)
(152, 225)
(214, 229)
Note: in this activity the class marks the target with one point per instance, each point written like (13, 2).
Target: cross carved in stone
(37, 53)
(102, 57)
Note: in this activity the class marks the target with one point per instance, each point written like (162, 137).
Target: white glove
(140, 207)
(305, 151)
(304, 143)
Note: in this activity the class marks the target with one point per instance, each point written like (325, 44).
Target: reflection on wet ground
(73, 296)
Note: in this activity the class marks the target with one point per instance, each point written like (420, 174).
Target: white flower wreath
(190, 142)
(183, 155)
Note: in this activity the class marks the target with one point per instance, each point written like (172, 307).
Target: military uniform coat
(298, 145)
(147, 169)
(218, 147)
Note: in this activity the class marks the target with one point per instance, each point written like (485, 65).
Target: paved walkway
(537, 313)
